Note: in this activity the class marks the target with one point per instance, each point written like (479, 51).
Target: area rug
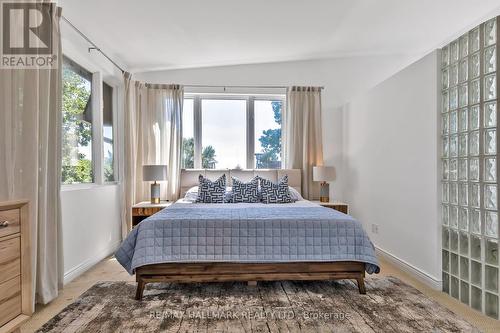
(389, 306)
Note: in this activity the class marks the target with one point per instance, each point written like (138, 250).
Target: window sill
(83, 187)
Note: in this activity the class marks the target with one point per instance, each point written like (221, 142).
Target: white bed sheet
(301, 203)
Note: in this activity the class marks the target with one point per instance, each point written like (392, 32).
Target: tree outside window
(76, 126)
(208, 160)
(270, 141)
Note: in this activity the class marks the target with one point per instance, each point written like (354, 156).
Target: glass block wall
(469, 168)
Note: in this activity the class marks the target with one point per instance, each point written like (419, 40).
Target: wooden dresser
(15, 265)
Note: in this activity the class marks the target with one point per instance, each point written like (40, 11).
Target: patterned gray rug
(389, 306)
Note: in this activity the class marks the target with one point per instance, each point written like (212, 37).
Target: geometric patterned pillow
(211, 192)
(245, 192)
(275, 193)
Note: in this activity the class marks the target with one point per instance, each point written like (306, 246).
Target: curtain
(153, 135)
(30, 160)
(301, 135)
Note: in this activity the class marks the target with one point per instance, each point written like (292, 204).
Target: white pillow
(192, 193)
(295, 194)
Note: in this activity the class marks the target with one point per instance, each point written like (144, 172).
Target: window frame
(97, 111)
(114, 111)
(250, 120)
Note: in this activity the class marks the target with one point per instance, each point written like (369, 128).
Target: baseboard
(89, 263)
(420, 275)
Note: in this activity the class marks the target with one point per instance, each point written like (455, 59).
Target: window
(223, 133)
(77, 166)
(268, 134)
(88, 131)
(107, 126)
(232, 131)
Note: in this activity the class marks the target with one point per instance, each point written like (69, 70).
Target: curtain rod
(230, 86)
(94, 46)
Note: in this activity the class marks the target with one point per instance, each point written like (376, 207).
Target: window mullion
(116, 140)
(97, 128)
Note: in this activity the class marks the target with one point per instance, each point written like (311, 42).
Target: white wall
(391, 166)
(343, 78)
(91, 226)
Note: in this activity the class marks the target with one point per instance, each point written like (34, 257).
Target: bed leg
(361, 285)
(140, 289)
(252, 283)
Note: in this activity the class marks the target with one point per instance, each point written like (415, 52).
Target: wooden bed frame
(220, 272)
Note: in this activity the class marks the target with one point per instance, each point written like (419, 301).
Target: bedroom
(382, 117)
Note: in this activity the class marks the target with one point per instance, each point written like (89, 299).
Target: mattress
(247, 233)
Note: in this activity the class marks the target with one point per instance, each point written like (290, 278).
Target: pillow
(191, 194)
(211, 191)
(295, 195)
(275, 193)
(245, 192)
(228, 196)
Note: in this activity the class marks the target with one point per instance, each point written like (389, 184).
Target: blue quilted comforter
(252, 233)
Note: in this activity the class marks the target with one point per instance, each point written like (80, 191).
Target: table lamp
(154, 173)
(324, 174)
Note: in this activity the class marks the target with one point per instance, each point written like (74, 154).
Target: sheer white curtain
(301, 135)
(30, 160)
(153, 135)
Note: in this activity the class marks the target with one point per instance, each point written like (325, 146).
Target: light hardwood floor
(110, 270)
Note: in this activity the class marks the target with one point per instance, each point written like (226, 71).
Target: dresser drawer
(10, 269)
(10, 258)
(10, 249)
(10, 300)
(10, 219)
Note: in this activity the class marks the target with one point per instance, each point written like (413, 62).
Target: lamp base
(324, 192)
(155, 193)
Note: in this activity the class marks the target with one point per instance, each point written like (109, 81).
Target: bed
(193, 242)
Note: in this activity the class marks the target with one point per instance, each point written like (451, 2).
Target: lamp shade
(154, 172)
(323, 173)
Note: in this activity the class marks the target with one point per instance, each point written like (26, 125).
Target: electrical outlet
(374, 228)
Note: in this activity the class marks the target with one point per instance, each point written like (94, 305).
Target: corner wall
(391, 166)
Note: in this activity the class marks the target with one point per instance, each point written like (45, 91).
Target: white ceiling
(156, 34)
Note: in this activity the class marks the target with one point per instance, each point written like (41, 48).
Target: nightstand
(340, 206)
(145, 209)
